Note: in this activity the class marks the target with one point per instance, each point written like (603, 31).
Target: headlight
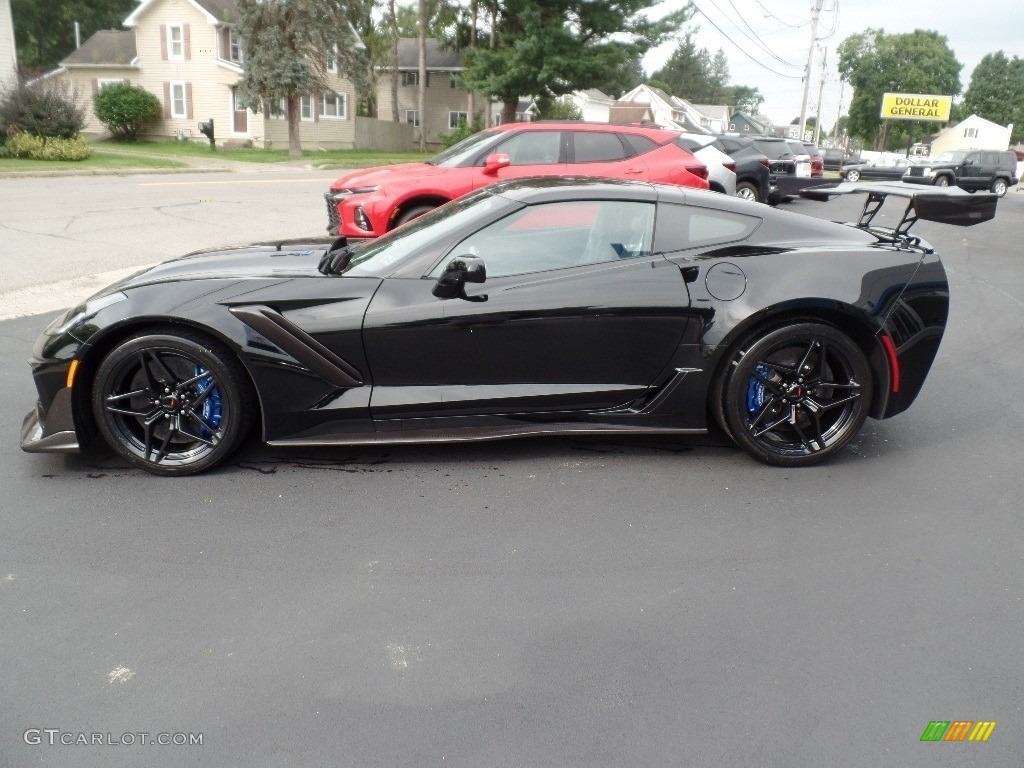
(927, 171)
(82, 311)
(341, 194)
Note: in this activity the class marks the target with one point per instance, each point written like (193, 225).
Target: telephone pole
(839, 115)
(815, 14)
(821, 92)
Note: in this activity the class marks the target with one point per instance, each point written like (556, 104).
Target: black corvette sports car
(543, 306)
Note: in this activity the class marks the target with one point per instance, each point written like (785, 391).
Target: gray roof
(409, 54)
(222, 10)
(108, 47)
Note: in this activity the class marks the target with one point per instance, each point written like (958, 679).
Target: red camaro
(369, 202)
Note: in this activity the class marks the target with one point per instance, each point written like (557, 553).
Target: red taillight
(730, 166)
(700, 171)
(766, 163)
(894, 362)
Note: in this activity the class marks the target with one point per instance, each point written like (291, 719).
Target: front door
(533, 153)
(240, 114)
(579, 314)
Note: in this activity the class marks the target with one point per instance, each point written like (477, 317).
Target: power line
(756, 39)
(741, 48)
(792, 26)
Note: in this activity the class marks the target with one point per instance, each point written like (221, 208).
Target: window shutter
(188, 100)
(163, 42)
(167, 100)
(186, 44)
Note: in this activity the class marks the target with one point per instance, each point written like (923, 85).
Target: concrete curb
(106, 172)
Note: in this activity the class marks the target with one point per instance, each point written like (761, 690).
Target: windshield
(952, 156)
(459, 153)
(389, 252)
(774, 150)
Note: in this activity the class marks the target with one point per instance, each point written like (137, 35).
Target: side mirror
(461, 270)
(496, 162)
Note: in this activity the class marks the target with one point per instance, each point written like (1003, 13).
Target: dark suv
(971, 169)
(753, 177)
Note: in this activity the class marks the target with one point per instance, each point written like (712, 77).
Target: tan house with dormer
(188, 54)
(446, 101)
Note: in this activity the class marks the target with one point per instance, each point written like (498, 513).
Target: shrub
(550, 109)
(125, 109)
(47, 147)
(465, 129)
(44, 108)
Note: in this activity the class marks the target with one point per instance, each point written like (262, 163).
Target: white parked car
(721, 167)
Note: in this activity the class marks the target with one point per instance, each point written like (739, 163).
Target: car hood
(254, 261)
(372, 177)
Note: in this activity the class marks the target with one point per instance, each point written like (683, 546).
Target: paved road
(544, 602)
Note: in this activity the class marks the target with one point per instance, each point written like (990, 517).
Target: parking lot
(541, 602)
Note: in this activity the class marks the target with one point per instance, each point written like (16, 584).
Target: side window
(597, 147)
(682, 226)
(640, 144)
(550, 236)
(532, 148)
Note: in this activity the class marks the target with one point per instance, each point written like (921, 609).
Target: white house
(973, 133)
(594, 106)
(8, 57)
(673, 112)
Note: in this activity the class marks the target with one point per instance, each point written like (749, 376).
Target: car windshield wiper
(337, 257)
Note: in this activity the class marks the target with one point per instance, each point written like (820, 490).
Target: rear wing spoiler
(948, 205)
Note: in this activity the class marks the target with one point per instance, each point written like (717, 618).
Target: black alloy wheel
(413, 213)
(942, 181)
(796, 395)
(172, 403)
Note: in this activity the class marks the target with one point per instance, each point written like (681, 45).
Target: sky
(972, 28)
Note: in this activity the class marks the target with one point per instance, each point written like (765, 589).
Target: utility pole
(839, 114)
(821, 92)
(815, 14)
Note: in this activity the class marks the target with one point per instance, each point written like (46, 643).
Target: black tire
(747, 191)
(853, 175)
(413, 213)
(795, 395)
(942, 181)
(156, 409)
(999, 187)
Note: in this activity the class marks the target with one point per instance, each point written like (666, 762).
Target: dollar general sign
(915, 106)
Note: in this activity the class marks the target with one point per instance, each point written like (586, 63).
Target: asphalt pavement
(541, 602)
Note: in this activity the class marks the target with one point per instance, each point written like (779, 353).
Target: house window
(453, 80)
(332, 62)
(496, 120)
(279, 109)
(410, 78)
(334, 105)
(234, 47)
(732, 126)
(175, 42)
(104, 82)
(970, 133)
(412, 116)
(456, 118)
(178, 106)
(306, 108)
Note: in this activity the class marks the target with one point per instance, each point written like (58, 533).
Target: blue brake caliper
(755, 391)
(211, 413)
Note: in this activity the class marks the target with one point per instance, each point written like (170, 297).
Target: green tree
(996, 92)
(875, 62)
(747, 99)
(287, 46)
(548, 48)
(125, 109)
(44, 30)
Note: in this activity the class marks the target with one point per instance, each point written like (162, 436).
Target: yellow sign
(916, 106)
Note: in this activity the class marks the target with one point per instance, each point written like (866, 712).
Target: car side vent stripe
(300, 345)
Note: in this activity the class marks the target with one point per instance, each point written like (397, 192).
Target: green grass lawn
(355, 158)
(98, 160)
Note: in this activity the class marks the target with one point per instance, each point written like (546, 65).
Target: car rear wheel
(747, 191)
(795, 395)
(413, 213)
(853, 175)
(999, 187)
(942, 181)
(172, 403)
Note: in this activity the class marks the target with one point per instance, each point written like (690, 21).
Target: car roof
(655, 132)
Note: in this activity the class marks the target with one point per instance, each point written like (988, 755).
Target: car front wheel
(413, 213)
(172, 403)
(795, 395)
